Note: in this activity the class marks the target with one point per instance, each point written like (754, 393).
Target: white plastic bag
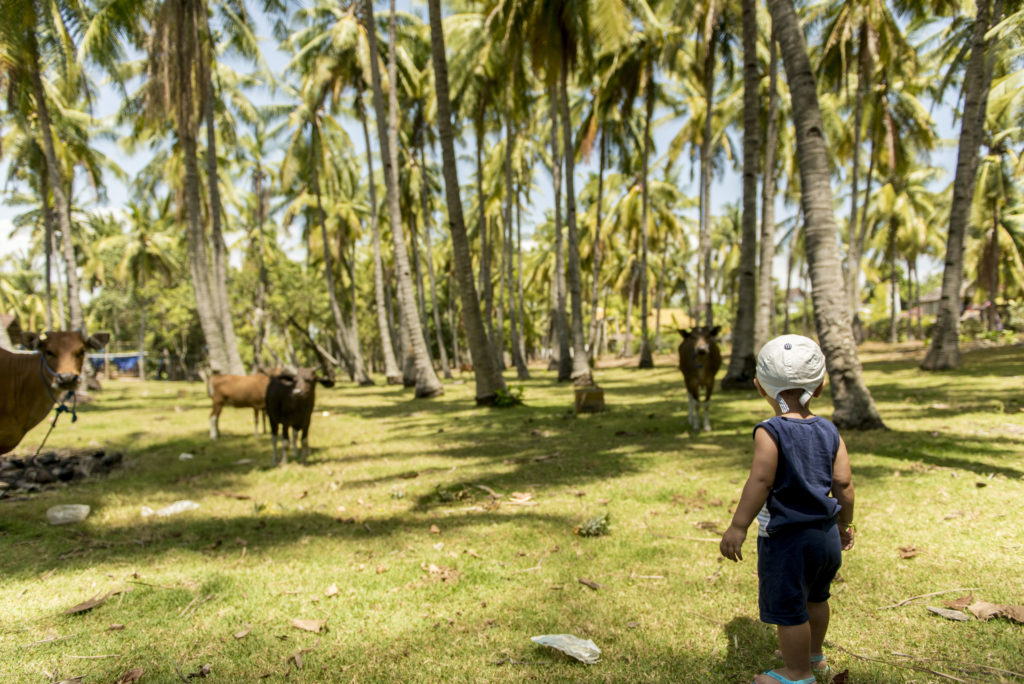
(173, 509)
(584, 650)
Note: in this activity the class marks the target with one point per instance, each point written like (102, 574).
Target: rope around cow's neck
(61, 404)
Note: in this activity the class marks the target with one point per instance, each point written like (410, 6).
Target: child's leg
(795, 645)
(819, 613)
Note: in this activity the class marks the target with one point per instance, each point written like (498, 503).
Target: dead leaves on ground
(95, 601)
(982, 610)
(130, 676)
(309, 625)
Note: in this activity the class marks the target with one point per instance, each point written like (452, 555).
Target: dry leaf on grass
(960, 603)
(841, 678)
(309, 625)
(130, 676)
(709, 526)
(331, 590)
(244, 633)
(87, 605)
(950, 614)
(440, 572)
(909, 551)
(434, 529)
(983, 610)
(521, 499)
(589, 583)
(116, 627)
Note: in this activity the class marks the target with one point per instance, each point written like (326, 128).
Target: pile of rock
(31, 474)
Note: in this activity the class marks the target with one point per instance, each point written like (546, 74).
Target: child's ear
(760, 390)
(817, 392)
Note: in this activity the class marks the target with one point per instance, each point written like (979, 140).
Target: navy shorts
(794, 568)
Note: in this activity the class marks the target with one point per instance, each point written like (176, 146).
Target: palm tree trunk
(520, 303)
(765, 291)
(511, 200)
(596, 290)
(646, 360)
(854, 405)
(710, 35)
(945, 350)
(488, 377)
(993, 266)
(60, 198)
(863, 77)
(856, 250)
(741, 361)
(391, 371)
(894, 286)
(222, 301)
(634, 277)
(561, 324)
(660, 294)
(44, 195)
(199, 265)
(343, 334)
(61, 309)
(580, 373)
(446, 369)
(481, 226)
(421, 300)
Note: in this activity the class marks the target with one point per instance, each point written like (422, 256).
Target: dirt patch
(52, 468)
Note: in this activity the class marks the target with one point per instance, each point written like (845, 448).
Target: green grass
(946, 479)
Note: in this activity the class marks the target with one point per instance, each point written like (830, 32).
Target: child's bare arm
(755, 492)
(842, 490)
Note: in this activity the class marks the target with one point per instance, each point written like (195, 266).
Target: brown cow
(290, 399)
(240, 391)
(699, 360)
(30, 384)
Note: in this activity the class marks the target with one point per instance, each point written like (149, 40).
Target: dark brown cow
(290, 399)
(240, 391)
(699, 360)
(30, 384)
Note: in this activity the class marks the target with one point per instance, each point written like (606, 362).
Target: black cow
(290, 399)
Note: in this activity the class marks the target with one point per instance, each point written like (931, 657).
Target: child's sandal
(782, 680)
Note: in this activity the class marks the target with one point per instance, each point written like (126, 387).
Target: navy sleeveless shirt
(799, 497)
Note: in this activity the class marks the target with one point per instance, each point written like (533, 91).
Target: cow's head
(302, 380)
(63, 354)
(702, 337)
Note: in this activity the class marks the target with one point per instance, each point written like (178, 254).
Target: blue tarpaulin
(124, 363)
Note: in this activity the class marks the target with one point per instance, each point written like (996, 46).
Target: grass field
(391, 535)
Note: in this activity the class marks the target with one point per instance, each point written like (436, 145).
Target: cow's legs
(255, 421)
(694, 420)
(214, 416)
(293, 440)
(273, 440)
(305, 445)
(707, 416)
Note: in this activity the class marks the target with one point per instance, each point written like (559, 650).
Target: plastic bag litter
(584, 650)
(66, 514)
(186, 456)
(173, 509)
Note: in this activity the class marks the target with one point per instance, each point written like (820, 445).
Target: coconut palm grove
(503, 237)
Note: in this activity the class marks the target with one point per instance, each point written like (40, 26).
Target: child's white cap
(791, 362)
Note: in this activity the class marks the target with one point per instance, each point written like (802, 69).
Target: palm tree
(740, 374)
(854, 406)
(944, 352)
(489, 381)
(765, 286)
(427, 384)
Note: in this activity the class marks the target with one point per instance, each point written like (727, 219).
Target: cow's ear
(98, 341)
(31, 340)
(684, 333)
(326, 382)
(716, 330)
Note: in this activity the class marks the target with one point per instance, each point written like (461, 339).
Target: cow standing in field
(290, 399)
(240, 391)
(30, 384)
(699, 360)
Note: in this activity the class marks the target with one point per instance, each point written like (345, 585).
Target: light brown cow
(699, 360)
(240, 391)
(30, 384)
